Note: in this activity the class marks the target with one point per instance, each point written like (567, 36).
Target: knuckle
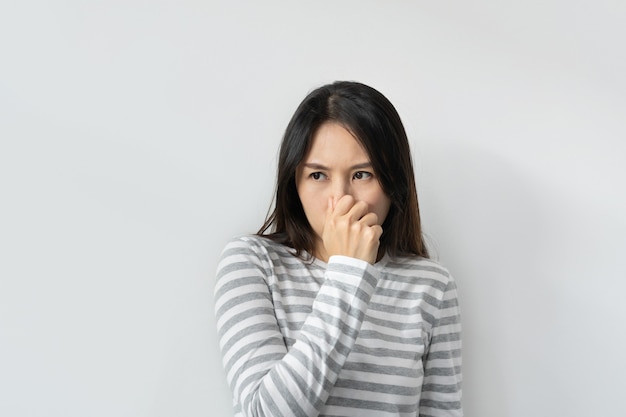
(343, 222)
(370, 234)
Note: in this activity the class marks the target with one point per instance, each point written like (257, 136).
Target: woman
(333, 308)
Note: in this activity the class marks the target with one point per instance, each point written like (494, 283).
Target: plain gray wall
(137, 137)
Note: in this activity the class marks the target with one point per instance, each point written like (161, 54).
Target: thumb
(331, 206)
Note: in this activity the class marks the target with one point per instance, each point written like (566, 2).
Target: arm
(441, 391)
(265, 378)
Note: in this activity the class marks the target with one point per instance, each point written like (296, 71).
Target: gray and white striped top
(343, 338)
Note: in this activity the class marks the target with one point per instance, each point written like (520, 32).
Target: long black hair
(375, 123)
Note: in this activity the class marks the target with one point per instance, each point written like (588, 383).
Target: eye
(362, 175)
(317, 176)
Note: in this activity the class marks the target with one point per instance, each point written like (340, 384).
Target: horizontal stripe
(343, 338)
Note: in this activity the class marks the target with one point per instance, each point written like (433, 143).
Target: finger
(358, 210)
(378, 230)
(343, 205)
(370, 219)
(329, 210)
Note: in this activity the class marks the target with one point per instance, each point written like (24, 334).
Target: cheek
(315, 211)
(318, 210)
(377, 201)
(383, 209)
(312, 203)
(379, 204)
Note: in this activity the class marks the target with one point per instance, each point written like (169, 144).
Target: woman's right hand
(351, 230)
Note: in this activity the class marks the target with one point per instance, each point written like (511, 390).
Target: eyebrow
(315, 165)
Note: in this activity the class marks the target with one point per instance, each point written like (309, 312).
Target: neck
(320, 251)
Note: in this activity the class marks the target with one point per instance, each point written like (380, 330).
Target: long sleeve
(441, 391)
(266, 378)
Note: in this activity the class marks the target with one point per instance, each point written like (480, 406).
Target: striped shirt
(343, 338)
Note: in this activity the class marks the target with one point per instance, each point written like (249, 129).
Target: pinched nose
(340, 189)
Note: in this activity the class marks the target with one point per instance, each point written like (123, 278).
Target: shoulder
(243, 264)
(253, 244)
(428, 278)
(423, 270)
(412, 265)
(255, 250)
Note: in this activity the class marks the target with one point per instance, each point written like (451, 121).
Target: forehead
(334, 142)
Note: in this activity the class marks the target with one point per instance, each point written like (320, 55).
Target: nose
(340, 188)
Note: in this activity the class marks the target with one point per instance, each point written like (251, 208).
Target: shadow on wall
(536, 245)
(488, 218)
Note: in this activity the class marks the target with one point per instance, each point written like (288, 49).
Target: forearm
(267, 379)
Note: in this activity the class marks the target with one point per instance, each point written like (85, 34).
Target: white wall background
(137, 137)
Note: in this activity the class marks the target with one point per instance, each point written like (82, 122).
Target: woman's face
(337, 165)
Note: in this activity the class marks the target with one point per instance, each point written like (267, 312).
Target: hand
(350, 230)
